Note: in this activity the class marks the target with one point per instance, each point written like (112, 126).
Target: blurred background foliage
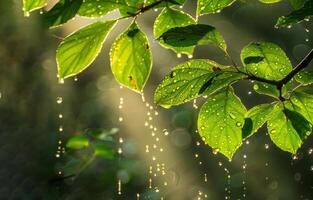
(29, 121)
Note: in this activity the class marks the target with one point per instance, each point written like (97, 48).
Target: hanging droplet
(59, 100)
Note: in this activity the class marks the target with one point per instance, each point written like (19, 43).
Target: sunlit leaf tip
(31, 5)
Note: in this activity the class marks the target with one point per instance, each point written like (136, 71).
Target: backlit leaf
(131, 59)
(192, 79)
(266, 60)
(171, 18)
(220, 121)
(304, 77)
(287, 128)
(191, 35)
(31, 5)
(212, 6)
(258, 116)
(63, 11)
(77, 51)
(98, 8)
(296, 16)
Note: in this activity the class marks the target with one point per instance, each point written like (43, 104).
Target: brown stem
(146, 8)
(279, 84)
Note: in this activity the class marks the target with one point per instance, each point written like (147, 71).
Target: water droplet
(273, 131)
(59, 100)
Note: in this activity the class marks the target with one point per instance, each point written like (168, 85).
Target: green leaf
(303, 104)
(212, 6)
(99, 8)
(63, 11)
(77, 51)
(287, 128)
(270, 1)
(191, 35)
(172, 18)
(266, 60)
(220, 121)
(296, 16)
(131, 59)
(101, 150)
(132, 7)
(266, 89)
(296, 4)
(77, 142)
(192, 79)
(258, 116)
(101, 134)
(304, 77)
(31, 5)
(166, 2)
(271, 90)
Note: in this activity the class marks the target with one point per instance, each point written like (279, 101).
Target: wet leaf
(192, 35)
(220, 122)
(258, 116)
(171, 18)
(296, 16)
(192, 79)
(31, 5)
(304, 77)
(274, 64)
(209, 6)
(287, 128)
(77, 51)
(131, 59)
(63, 11)
(303, 104)
(99, 8)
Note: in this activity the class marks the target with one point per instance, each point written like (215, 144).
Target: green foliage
(265, 60)
(270, 1)
(287, 128)
(212, 6)
(193, 79)
(62, 12)
(77, 51)
(220, 122)
(296, 4)
(77, 142)
(94, 8)
(304, 77)
(192, 35)
(297, 15)
(131, 59)
(256, 117)
(31, 5)
(173, 19)
(223, 120)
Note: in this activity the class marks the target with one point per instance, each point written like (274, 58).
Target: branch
(303, 64)
(279, 84)
(145, 8)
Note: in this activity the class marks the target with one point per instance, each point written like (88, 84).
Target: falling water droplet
(59, 100)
